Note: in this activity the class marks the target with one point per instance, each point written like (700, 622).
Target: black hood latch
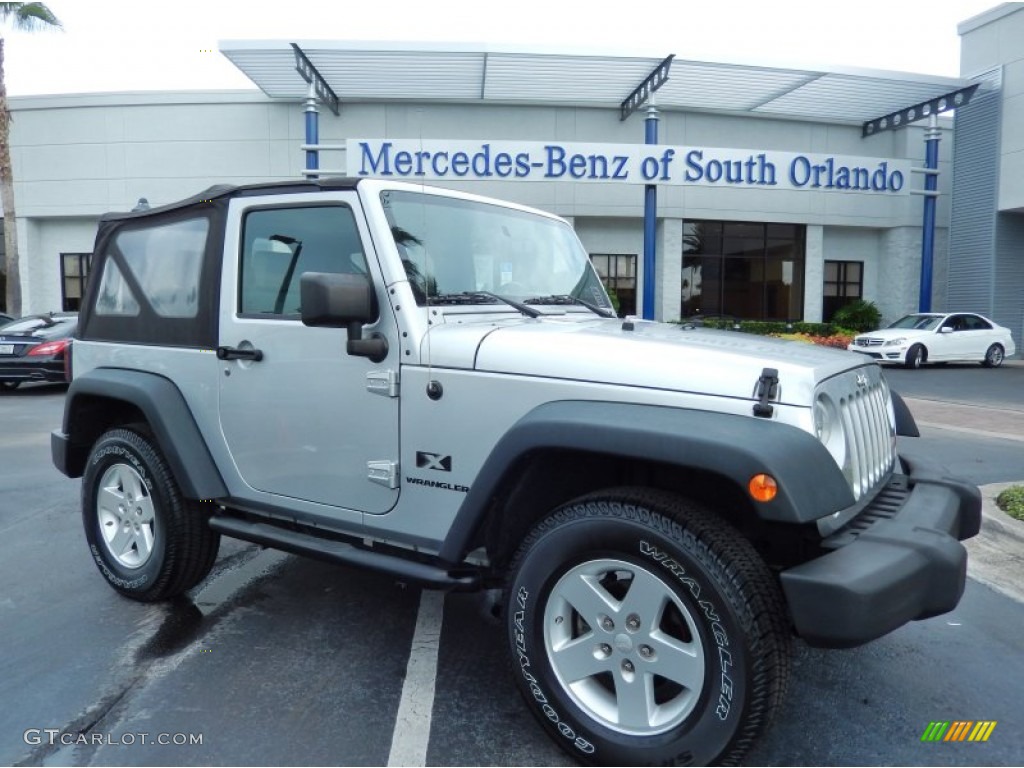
(767, 389)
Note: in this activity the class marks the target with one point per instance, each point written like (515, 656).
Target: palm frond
(29, 17)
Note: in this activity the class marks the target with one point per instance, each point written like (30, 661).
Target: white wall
(75, 159)
(80, 156)
(41, 261)
(814, 272)
(892, 265)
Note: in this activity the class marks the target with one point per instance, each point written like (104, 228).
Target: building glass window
(74, 272)
(618, 273)
(844, 283)
(746, 270)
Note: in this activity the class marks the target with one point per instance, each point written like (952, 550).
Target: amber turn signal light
(763, 487)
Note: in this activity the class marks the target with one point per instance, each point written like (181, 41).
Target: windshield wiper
(482, 297)
(565, 298)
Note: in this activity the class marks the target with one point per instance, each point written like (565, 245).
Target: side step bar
(329, 550)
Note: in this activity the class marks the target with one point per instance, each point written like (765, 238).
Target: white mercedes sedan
(935, 337)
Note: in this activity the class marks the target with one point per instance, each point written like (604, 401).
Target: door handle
(234, 353)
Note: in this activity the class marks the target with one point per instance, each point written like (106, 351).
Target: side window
(280, 244)
(153, 279)
(165, 261)
(975, 323)
(115, 297)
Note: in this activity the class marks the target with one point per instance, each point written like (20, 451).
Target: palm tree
(28, 17)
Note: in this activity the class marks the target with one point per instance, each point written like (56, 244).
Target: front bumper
(899, 560)
(892, 355)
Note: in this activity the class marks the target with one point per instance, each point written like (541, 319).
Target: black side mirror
(333, 300)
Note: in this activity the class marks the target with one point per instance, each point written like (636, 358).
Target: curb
(996, 554)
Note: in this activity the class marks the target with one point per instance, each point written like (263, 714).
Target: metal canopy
(373, 72)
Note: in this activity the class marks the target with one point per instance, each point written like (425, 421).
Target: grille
(868, 342)
(869, 435)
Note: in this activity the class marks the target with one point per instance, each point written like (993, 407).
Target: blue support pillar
(650, 220)
(931, 183)
(312, 133)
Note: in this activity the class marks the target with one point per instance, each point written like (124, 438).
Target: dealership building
(758, 192)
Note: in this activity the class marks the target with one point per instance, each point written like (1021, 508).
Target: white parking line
(412, 725)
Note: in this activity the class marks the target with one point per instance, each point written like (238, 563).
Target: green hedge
(861, 316)
(764, 327)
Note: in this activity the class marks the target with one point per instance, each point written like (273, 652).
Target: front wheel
(994, 356)
(148, 541)
(644, 630)
(916, 356)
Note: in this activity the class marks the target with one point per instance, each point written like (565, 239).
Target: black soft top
(147, 326)
(221, 193)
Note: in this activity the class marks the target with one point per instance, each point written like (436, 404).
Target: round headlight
(828, 427)
(822, 420)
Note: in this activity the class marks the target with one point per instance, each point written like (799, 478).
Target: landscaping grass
(1011, 501)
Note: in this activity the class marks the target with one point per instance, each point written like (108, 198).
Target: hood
(652, 355)
(893, 333)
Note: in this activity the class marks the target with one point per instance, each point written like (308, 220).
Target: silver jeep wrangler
(434, 385)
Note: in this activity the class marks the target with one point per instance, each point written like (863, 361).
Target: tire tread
(719, 548)
(191, 545)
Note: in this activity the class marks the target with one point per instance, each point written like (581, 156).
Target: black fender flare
(906, 426)
(167, 415)
(736, 447)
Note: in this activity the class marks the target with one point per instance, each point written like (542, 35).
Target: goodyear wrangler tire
(148, 541)
(643, 630)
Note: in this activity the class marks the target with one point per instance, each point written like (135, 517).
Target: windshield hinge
(767, 389)
(383, 472)
(383, 383)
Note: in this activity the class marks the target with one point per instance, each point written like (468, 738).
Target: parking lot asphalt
(978, 403)
(277, 660)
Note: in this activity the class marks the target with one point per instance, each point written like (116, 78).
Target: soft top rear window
(155, 279)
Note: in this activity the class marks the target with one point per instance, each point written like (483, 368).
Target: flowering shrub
(837, 340)
(823, 334)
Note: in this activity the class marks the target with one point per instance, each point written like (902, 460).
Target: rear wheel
(148, 541)
(916, 356)
(8, 386)
(644, 630)
(994, 356)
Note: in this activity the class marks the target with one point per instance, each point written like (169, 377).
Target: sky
(128, 45)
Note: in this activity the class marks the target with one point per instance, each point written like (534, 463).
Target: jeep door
(295, 411)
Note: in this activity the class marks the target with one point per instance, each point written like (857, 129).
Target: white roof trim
(361, 71)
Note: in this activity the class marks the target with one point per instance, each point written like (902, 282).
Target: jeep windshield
(467, 249)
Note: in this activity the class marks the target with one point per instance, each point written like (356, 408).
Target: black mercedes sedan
(33, 348)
